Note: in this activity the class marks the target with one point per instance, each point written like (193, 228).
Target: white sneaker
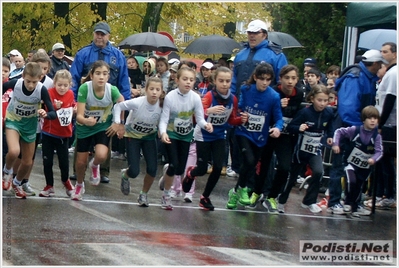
(280, 208)
(231, 173)
(28, 189)
(172, 193)
(71, 150)
(166, 202)
(337, 209)
(188, 198)
(78, 192)
(362, 211)
(347, 208)
(95, 177)
(314, 208)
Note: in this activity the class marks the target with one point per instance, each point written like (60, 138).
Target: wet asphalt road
(108, 228)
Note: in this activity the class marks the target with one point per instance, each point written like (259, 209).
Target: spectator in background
(101, 49)
(30, 55)
(19, 63)
(356, 89)
(333, 71)
(13, 53)
(57, 59)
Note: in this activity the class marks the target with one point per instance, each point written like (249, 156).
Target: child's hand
(90, 121)
(216, 109)
(58, 103)
(336, 149)
(42, 113)
(244, 117)
(284, 102)
(208, 127)
(274, 132)
(371, 161)
(329, 141)
(165, 138)
(303, 127)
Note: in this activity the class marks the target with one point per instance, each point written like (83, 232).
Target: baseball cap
(373, 55)
(15, 52)
(174, 67)
(256, 25)
(58, 46)
(102, 27)
(207, 65)
(310, 61)
(174, 60)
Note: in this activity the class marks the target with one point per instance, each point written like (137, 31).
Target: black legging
(205, 152)
(250, 156)
(49, 144)
(177, 152)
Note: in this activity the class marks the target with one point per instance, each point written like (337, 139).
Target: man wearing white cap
(258, 50)
(57, 59)
(356, 89)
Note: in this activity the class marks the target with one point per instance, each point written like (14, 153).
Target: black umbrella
(283, 39)
(212, 44)
(148, 41)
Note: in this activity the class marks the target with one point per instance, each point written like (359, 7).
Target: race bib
(255, 123)
(310, 144)
(97, 114)
(25, 110)
(143, 128)
(183, 126)
(65, 116)
(217, 119)
(359, 158)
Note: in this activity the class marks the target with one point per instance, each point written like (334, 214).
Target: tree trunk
(100, 9)
(152, 17)
(61, 10)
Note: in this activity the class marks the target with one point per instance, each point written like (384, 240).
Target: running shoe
(68, 187)
(205, 203)
(78, 193)
(19, 192)
(125, 183)
(233, 199)
(313, 208)
(231, 173)
(243, 197)
(254, 200)
(7, 181)
(336, 209)
(27, 188)
(280, 208)
(188, 198)
(361, 211)
(95, 177)
(166, 202)
(270, 205)
(143, 200)
(48, 191)
(323, 203)
(347, 208)
(188, 180)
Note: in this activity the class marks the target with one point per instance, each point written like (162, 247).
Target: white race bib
(97, 114)
(25, 110)
(310, 144)
(359, 158)
(183, 126)
(65, 116)
(255, 123)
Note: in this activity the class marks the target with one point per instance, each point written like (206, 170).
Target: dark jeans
(49, 144)
(149, 149)
(205, 151)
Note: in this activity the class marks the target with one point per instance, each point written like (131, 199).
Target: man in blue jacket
(101, 49)
(356, 89)
(257, 50)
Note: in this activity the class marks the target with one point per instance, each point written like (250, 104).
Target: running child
(220, 108)
(364, 151)
(21, 123)
(310, 124)
(176, 127)
(56, 133)
(140, 131)
(260, 109)
(96, 99)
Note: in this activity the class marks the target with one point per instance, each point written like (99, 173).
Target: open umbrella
(283, 39)
(212, 44)
(148, 41)
(373, 39)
